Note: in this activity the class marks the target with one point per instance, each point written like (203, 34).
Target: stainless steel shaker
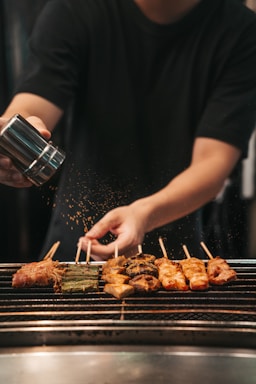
(32, 155)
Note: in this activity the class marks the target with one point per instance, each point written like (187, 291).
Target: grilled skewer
(170, 273)
(81, 278)
(113, 270)
(219, 271)
(195, 272)
(40, 273)
(116, 281)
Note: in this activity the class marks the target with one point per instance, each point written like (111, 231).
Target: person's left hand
(125, 223)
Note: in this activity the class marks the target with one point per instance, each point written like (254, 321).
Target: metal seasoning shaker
(32, 155)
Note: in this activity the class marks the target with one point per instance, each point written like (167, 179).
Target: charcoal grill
(221, 316)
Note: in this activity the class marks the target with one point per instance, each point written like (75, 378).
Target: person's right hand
(9, 175)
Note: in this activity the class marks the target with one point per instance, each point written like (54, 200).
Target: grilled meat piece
(141, 267)
(145, 283)
(115, 278)
(41, 273)
(219, 272)
(116, 265)
(140, 257)
(170, 275)
(119, 290)
(195, 272)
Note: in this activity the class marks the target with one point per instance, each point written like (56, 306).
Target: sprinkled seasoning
(86, 199)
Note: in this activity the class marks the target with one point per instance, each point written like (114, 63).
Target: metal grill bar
(224, 315)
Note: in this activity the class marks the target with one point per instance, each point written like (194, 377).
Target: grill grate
(223, 315)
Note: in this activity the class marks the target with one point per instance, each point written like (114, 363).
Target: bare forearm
(32, 105)
(179, 198)
(197, 185)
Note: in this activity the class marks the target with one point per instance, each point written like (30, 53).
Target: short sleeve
(57, 54)
(230, 113)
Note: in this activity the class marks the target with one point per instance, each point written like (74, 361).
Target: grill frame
(222, 316)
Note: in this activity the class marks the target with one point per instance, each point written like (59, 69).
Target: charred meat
(145, 283)
(140, 268)
(140, 257)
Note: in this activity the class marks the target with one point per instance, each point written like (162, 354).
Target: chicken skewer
(194, 271)
(170, 273)
(219, 271)
(163, 247)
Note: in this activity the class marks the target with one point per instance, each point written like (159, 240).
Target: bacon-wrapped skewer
(195, 272)
(170, 273)
(40, 273)
(219, 272)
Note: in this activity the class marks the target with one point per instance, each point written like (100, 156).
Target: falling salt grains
(77, 204)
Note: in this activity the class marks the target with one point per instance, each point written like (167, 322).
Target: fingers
(10, 176)
(124, 224)
(125, 244)
(99, 251)
(107, 224)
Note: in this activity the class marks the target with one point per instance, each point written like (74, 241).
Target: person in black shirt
(163, 98)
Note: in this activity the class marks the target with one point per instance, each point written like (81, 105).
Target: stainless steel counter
(127, 364)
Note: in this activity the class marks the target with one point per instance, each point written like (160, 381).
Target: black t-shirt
(140, 92)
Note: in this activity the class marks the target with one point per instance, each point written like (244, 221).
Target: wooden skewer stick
(206, 250)
(88, 253)
(140, 248)
(163, 247)
(185, 249)
(116, 251)
(78, 252)
(52, 251)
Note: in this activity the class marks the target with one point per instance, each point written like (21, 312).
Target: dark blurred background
(25, 212)
(229, 222)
